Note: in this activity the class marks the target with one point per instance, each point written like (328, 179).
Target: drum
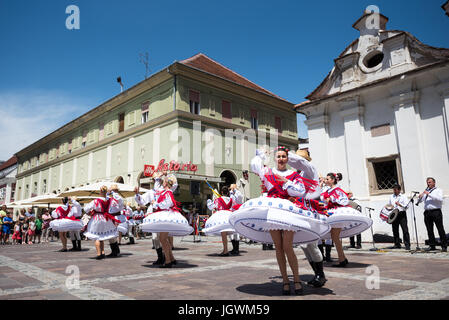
(389, 214)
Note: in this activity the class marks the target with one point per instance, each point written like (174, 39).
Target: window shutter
(101, 134)
(194, 96)
(145, 106)
(278, 124)
(254, 113)
(226, 107)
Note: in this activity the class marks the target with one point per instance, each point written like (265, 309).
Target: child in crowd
(25, 231)
(17, 235)
(38, 230)
(46, 231)
(7, 224)
(31, 230)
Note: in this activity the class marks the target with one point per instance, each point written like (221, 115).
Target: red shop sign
(171, 166)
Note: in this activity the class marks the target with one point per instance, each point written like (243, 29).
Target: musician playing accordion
(399, 201)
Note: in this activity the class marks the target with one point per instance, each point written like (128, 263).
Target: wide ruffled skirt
(64, 225)
(170, 221)
(218, 223)
(258, 216)
(123, 226)
(350, 221)
(100, 228)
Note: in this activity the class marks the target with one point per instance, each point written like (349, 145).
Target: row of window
(383, 175)
(194, 102)
(86, 138)
(3, 192)
(105, 130)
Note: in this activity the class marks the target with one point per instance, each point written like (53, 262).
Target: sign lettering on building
(170, 166)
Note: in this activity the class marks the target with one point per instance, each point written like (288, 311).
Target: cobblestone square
(39, 271)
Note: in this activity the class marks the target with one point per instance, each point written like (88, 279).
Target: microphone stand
(372, 233)
(412, 202)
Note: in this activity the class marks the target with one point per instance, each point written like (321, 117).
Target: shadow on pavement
(180, 265)
(274, 289)
(124, 254)
(350, 265)
(241, 253)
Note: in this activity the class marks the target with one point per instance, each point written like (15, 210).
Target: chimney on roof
(119, 80)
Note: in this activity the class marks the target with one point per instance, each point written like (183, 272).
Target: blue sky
(50, 75)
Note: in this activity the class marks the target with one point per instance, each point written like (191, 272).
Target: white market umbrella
(25, 202)
(54, 199)
(92, 190)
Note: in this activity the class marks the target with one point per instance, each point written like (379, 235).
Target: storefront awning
(193, 177)
(196, 177)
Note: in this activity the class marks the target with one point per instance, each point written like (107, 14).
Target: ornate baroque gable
(376, 55)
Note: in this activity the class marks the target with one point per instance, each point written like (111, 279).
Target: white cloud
(26, 117)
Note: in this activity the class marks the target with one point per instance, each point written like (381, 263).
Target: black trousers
(431, 217)
(359, 240)
(401, 220)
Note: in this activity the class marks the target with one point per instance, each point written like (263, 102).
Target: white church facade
(381, 117)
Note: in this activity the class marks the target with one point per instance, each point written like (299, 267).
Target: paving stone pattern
(40, 272)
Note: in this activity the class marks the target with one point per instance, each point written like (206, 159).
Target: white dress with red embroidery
(123, 227)
(166, 217)
(219, 221)
(119, 204)
(349, 220)
(67, 218)
(102, 225)
(257, 217)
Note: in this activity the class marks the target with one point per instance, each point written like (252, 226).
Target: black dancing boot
(79, 245)
(74, 246)
(160, 257)
(312, 264)
(235, 247)
(114, 253)
(320, 278)
(320, 246)
(328, 253)
(131, 240)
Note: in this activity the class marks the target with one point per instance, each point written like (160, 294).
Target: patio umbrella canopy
(54, 199)
(93, 190)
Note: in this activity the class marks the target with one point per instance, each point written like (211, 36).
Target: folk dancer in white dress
(123, 227)
(158, 187)
(238, 199)
(166, 220)
(66, 219)
(75, 236)
(335, 197)
(128, 212)
(115, 209)
(146, 200)
(275, 219)
(325, 245)
(301, 162)
(344, 220)
(218, 223)
(102, 225)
